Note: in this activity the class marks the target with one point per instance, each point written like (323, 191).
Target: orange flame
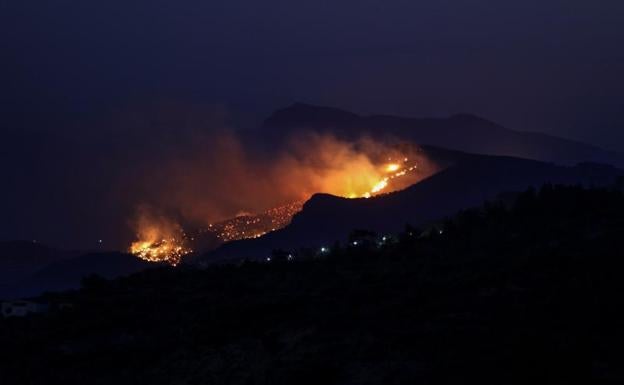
(211, 196)
(392, 167)
(159, 240)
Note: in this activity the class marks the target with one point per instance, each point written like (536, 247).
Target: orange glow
(255, 226)
(392, 167)
(165, 250)
(159, 240)
(380, 186)
(392, 173)
(247, 197)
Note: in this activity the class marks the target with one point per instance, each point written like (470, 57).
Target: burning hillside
(254, 226)
(351, 170)
(159, 240)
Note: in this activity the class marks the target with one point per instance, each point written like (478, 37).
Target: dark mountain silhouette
(476, 179)
(67, 274)
(19, 259)
(527, 292)
(463, 132)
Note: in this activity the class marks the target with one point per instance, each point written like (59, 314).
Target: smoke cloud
(219, 177)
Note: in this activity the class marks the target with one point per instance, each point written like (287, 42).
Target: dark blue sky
(547, 65)
(78, 79)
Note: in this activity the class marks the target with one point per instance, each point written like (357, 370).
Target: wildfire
(392, 167)
(353, 173)
(393, 171)
(170, 251)
(159, 240)
(380, 186)
(255, 226)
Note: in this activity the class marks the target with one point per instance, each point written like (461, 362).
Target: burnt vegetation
(528, 292)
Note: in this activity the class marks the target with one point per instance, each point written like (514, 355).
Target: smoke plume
(218, 177)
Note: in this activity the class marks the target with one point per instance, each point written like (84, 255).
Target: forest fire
(254, 226)
(159, 240)
(361, 169)
(393, 171)
(393, 167)
(170, 251)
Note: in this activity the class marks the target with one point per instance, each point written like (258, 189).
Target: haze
(89, 90)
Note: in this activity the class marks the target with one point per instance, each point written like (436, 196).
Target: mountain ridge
(462, 132)
(326, 218)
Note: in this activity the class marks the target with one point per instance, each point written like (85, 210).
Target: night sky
(90, 88)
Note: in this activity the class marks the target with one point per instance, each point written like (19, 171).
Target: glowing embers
(396, 170)
(254, 226)
(355, 175)
(169, 251)
(380, 186)
(392, 167)
(159, 240)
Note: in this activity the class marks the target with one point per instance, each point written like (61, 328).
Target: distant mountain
(462, 132)
(68, 273)
(19, 259)
(326, 218)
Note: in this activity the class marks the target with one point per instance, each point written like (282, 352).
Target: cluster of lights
(324, 250)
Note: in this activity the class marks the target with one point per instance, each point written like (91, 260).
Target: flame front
(393, 167)
(165, 250)
(320, 165)
(392, 171)
(159, 240)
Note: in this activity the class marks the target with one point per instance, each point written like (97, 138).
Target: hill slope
(523, 295)
(68, 273)
(19, 259)
(325, 218)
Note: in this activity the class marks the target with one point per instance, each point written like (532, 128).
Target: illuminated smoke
(159, 239)
(219, 178)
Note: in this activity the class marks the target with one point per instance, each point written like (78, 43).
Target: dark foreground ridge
(525, 294)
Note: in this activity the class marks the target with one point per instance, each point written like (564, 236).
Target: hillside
(68, 273)
(526, 294)
(468, 183)
(20, 259)
(463, 132)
